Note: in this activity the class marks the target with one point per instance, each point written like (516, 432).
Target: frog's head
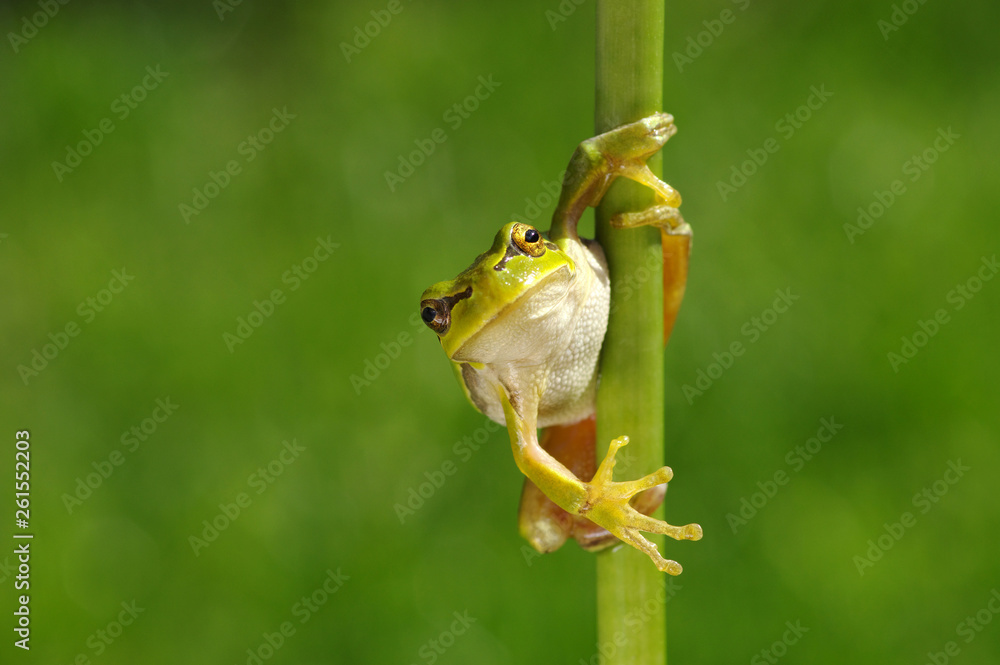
(500, 308)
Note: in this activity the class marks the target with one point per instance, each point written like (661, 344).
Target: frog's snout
(436, 312)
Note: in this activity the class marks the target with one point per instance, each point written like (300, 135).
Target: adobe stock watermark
(703, 40)
(968, 628)
(30, 25)
(562, 12)
(249, 148)
(431, 650)
(304, 609)
(958, 298)
(381, 18)
(418, 495)
(786, 127)
(900, 14)
(624, 286)
(913, 168)
(539, 204)
(88, 309)
(454, 116)
(633, 620)
(390, 351)
(293, 278)
(131, 439)
(122, 108)
(924, 501)
(752, 331)
(223, 7)
(259, 481)
(778, 648)
(7, 569)
(796, 458)
(101, 639)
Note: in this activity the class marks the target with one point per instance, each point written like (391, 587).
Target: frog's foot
(595, 538)
(608, 505)
(628, 147)
(547, 526)
(623, 151)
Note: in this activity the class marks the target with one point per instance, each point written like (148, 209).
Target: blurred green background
(367, 443)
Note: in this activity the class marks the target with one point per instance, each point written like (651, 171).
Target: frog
(523, 327)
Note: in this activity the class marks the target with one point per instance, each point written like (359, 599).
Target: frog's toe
(661, 476)
(634, 523)
(653, 525)
(667, 218)
(636, 540)
(660, 127)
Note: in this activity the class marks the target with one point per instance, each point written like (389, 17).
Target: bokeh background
(369, 443)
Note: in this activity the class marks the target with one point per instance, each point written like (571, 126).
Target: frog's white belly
(566, 380)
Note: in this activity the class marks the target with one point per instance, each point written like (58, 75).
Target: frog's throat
(467, 348)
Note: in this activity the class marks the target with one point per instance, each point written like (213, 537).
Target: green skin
(524, 324)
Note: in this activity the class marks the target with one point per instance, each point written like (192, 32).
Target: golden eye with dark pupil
(528, 240)
(428, 314)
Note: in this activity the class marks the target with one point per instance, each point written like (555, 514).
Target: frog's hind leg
(542, 523)
(547, 526)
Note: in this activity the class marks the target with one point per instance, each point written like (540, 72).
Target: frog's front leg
(676, 246)
(623, 152)
(599, 160)
(601, 500)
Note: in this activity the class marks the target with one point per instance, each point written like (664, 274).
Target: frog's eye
(437, 315)
(528, 240)
(436, 312)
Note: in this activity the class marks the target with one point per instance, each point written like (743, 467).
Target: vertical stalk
(629, 86)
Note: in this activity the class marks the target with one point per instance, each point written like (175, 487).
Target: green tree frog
(523, 327)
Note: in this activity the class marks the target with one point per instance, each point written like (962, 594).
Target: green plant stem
(630, 398)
